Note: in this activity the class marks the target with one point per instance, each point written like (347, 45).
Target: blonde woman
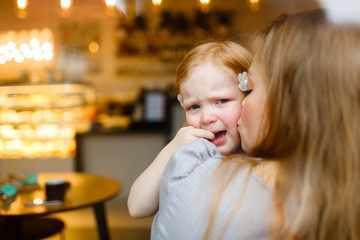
(301, 115)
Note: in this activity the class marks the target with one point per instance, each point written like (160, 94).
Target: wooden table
(85, 191)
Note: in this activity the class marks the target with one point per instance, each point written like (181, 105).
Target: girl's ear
(180, 99)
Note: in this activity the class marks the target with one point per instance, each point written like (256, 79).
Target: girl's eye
(221, 101)
(194, 107)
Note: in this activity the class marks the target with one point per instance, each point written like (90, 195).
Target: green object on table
(32, 178)
(8, 190)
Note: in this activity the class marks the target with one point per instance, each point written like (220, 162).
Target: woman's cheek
(248, 124)
(244, 120)
(253, 118)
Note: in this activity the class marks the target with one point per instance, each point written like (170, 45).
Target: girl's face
(253, 107)
(212, 101)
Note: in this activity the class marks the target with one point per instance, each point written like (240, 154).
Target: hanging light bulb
(65, 7)
(65, 4)
(110, 7)
(156, 6)
(21, 4)
(21, 10)
(254, 5)
(110, 3)
(204, 6)
(156, 2)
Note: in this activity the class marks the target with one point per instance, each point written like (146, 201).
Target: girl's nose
(208, 117)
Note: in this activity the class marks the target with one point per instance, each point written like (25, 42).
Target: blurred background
(88, 85)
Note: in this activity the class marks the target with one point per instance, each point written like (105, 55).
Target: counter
(124, 155)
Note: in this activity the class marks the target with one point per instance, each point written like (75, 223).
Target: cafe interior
(87, 86)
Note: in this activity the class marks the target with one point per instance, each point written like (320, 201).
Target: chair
(39, 228)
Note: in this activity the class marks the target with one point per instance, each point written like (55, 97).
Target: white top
(186, 194)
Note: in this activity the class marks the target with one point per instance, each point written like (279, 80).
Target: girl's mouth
(219, 138)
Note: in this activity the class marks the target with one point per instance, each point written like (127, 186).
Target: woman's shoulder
(267, 171)
(263, 171)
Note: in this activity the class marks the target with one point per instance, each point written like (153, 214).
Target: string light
(36, 45)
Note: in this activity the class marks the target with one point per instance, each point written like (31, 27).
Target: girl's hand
(188, 134)
(143, 199)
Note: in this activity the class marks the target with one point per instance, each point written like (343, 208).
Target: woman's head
(207, 82)
(310, 72)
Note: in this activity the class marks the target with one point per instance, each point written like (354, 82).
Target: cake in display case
(41, 121)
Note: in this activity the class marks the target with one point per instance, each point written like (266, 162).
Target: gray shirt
(187, 194)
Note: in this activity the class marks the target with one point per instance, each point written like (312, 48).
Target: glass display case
(40, 121)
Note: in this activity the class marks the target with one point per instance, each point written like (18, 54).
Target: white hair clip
(243, 81)
(180, 99)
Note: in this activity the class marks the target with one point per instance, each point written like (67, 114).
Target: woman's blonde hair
(311, 69)
(226, 54)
